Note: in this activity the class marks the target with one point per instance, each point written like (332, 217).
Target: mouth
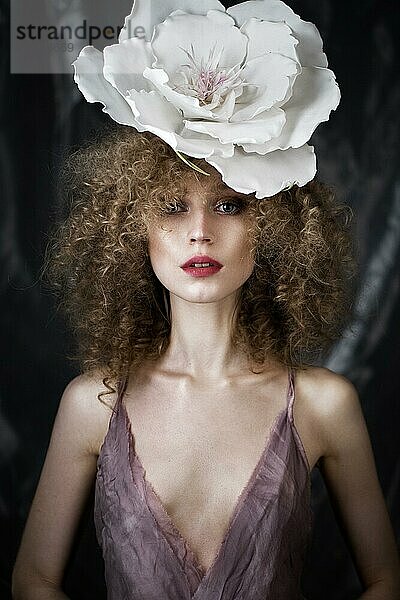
(201, 262)
(201, 266)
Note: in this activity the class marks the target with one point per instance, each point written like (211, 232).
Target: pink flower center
(204, 78)
(208, 82)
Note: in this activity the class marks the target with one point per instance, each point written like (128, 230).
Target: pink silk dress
(262, 554)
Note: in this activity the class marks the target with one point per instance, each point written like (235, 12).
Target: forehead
(209, 186)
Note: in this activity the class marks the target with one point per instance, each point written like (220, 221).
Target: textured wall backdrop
(358, 152)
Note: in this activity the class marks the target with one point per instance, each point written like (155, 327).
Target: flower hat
(243, 88)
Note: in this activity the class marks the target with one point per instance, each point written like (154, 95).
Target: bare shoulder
(327, 391)
(332, 405)
(349, 472)
(81, 406)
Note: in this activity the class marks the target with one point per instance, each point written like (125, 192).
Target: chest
(195, 440)
(199, 449)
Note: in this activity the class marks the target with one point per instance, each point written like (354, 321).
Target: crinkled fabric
(263, 551)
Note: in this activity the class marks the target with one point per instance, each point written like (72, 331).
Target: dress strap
(291, 419)
(291, 393)
(121, 387)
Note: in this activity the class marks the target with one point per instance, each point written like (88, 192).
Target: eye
(230, 207)
(172, 207)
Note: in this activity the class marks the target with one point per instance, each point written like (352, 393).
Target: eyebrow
(220, 188)
(229, 192)
(222, 191)
(215, 195)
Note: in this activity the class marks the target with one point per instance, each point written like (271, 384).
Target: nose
(200, 226)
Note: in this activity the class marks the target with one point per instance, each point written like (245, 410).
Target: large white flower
(243, 88)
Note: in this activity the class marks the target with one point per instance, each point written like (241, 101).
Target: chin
(204, 295)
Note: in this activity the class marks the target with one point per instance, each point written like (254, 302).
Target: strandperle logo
(85, 31)
(46, 36)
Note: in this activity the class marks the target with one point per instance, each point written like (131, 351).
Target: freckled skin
(209, 223)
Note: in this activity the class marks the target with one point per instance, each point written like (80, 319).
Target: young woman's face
(204, 227)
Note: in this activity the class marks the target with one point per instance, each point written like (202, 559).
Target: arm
(349, 472)
(64, 485)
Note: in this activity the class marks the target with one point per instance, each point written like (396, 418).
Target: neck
(200, 341)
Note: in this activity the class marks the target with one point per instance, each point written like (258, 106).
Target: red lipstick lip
(201, 258)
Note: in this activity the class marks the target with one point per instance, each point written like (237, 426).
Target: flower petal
(315, 95)
(309, 49)
(158, 116)
(146, 14)
(257, 131)
(189, 105)
(266, 175)
(181, 31)
(202, 146)
(225, 110)
(274, 75)
(155, 114)
(90, 80)
(265, 36)
(125, 62)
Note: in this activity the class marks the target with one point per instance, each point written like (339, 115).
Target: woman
(199, 302)
(221, 494)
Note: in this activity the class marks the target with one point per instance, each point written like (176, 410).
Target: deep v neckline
(204, 573)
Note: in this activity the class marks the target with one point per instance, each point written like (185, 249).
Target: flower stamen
(205, 78)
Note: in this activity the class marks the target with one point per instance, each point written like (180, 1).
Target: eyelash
(239, 207)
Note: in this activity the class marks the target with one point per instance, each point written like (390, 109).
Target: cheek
(157, 242)
(245, 254)
(247, 267)
(154, 248)
(160, 252)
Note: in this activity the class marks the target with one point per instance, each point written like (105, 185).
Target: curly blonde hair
(293, 306)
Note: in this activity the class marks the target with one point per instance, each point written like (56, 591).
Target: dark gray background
(358, 151)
